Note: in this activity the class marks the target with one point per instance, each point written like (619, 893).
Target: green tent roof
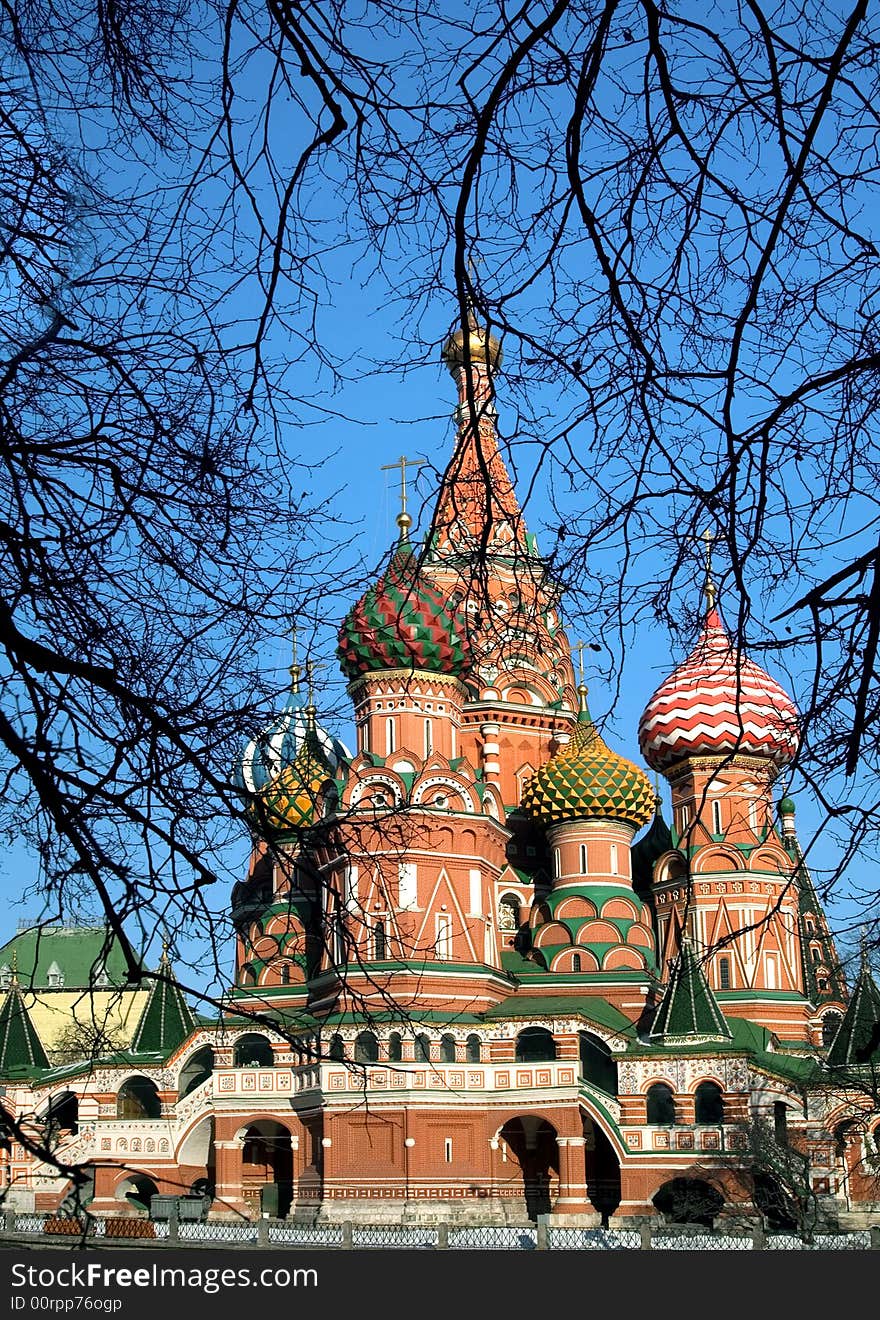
(166, 1019)
(688, 1010)
(857, 1043)
(20, 1046)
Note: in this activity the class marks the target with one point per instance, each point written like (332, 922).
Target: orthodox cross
(580, 647)
(311, 666)
(404, 521)
(295, 670)
(710, 588)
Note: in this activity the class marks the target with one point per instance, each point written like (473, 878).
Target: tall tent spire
(688, 1013)
(166, 1020)
(477, 511)
(857, 1043)
(20, 1044)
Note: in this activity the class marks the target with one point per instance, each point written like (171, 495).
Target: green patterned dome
(403, 622)
(585, 779)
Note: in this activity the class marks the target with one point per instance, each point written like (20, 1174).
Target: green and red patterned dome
(404, 622)
(585, 780)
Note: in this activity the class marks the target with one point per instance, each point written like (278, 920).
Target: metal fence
(477, 1237)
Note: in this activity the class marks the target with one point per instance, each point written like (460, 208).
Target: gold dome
(483, 346)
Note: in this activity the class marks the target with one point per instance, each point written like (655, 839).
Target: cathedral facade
(477, 974)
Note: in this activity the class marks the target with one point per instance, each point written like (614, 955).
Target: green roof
(688, 1009)
(78, 953)
(166, 1020)
(587, 1006)
(20, 1046)
(857, 1043)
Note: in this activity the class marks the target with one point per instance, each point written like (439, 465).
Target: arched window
(366, 1048)
(63, 1112)
(780, 1122)
(614, 859)
(816, 954)
(423, 1048)
(429, 738)
(380, 951)
(597, 1064)
(252, 1051)
(472, 1051)
(583, 859)
(576, 965)
(395, 1047)
(285, 973)
(716, 817)
(660, 1105)
(337, 1049)
(535, 1045)
(724, 973)
(708, 1103)
(138, 1098)
(447, 1049)
(830, 1027)
(508, 912)
(389, 736)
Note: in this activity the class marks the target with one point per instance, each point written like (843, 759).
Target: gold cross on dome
(580, 647)
(708, 539)
(404, 521)
(311, 666)
(295, 670)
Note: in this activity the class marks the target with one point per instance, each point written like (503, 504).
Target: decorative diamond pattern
(586, 779)
(403, 622)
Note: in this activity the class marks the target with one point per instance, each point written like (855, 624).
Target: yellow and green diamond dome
(586, 780)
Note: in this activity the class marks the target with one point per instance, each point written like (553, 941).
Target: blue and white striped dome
(277, 747)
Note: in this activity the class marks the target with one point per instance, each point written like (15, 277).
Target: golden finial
(295, 669)
(164, 960)
(404, 521)
(710, 589)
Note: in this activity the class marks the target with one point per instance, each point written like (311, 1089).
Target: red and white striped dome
(717, 702)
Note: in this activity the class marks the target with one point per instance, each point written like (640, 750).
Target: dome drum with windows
(586, 780)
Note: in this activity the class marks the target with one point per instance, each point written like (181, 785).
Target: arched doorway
(267, 1169)
(138, 1097)
(602, 1171)
(197, 1069)
(530, 1142)
(688, 1201)
(253, 1051)
(136, 1191)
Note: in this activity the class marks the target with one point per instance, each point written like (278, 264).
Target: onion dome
(482, 347)
(403, 622)
(585, 779)
(267, 755)
(715, 703)
(282, 771)
(291, 802)
(649, 849)
(786, 806)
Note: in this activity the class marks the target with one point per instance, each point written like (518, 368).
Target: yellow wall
(55, 1012)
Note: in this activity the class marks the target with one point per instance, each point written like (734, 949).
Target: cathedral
(478, 976)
